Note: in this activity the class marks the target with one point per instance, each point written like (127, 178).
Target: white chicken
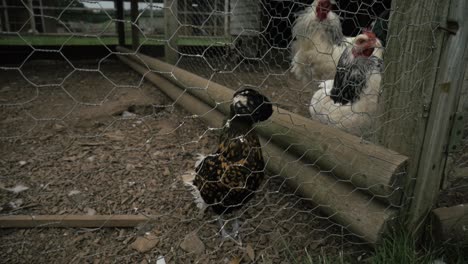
(319, 42)
(349, 101)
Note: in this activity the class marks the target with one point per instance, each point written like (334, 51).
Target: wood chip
(250, 252)
(235, 260)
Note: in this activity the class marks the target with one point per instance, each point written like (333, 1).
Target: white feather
(17, 189)
(200, 158)
(188, 178)
(354, 118)
(315, 57)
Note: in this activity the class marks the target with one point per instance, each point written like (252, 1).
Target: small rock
(160, 260)
(166, 172)
(130, 167)
(145, 244)
(58, 127)
(73, 192)
(144, 261)
(192, 243)
(22, 163)
(90, 211)
(127, 114)
(91, 158)
(16, 203)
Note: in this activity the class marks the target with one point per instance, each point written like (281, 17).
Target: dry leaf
(235, 260)
(250, 252)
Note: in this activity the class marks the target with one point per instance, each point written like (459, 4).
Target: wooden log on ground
(31, 221)
(451, 223)
(364, 216)
(377, 170)
(213, 117)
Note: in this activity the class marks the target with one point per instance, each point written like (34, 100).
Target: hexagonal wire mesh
(83, 134)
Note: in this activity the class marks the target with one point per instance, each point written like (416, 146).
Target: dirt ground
(89, 147)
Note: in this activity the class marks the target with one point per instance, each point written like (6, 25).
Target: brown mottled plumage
(228, 178)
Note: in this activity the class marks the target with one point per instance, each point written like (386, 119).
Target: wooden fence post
(170, 31)
(119, 6)
(135, 31)
(424, 60)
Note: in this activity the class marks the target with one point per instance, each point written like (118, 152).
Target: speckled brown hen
(226, 179)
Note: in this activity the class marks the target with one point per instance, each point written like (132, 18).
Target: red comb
(368, 32)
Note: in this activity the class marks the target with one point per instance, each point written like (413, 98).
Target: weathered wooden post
(119, 12)
(170, 31)
(135, 30)
(32, 20)
(424, 60)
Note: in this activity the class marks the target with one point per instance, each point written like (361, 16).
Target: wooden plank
(32, 18)
(226, 19)
(411, 61)
(450, 223)
(171, 26)
(414, 120)
(5, 17)
(31, 221)
(373, 168)
(361, 214)
(135, 30)
(119, 23)
(41, 9)
(447, 90)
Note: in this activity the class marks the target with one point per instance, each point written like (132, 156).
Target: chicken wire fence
(94, 137)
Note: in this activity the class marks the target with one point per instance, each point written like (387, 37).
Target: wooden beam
(32, 19)
(373, 168)
(171, 26)
(420, 84)
(213, 117)
(119, 23)
(226, 18)
(5, 17)
(31, 221)
(135, 30)
(365, 216)
(41, 9)
(450, 223)
(446, 92)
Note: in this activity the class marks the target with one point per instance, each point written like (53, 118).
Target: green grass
(398, 246)
(47, 40)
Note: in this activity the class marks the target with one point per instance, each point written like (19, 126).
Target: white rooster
(349, 101)
(319, 42)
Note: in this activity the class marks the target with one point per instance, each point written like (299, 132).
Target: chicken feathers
(351, 98)
(319, 42)
(229, 177)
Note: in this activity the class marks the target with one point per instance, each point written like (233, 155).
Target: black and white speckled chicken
(350, 100)
(226, 179)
